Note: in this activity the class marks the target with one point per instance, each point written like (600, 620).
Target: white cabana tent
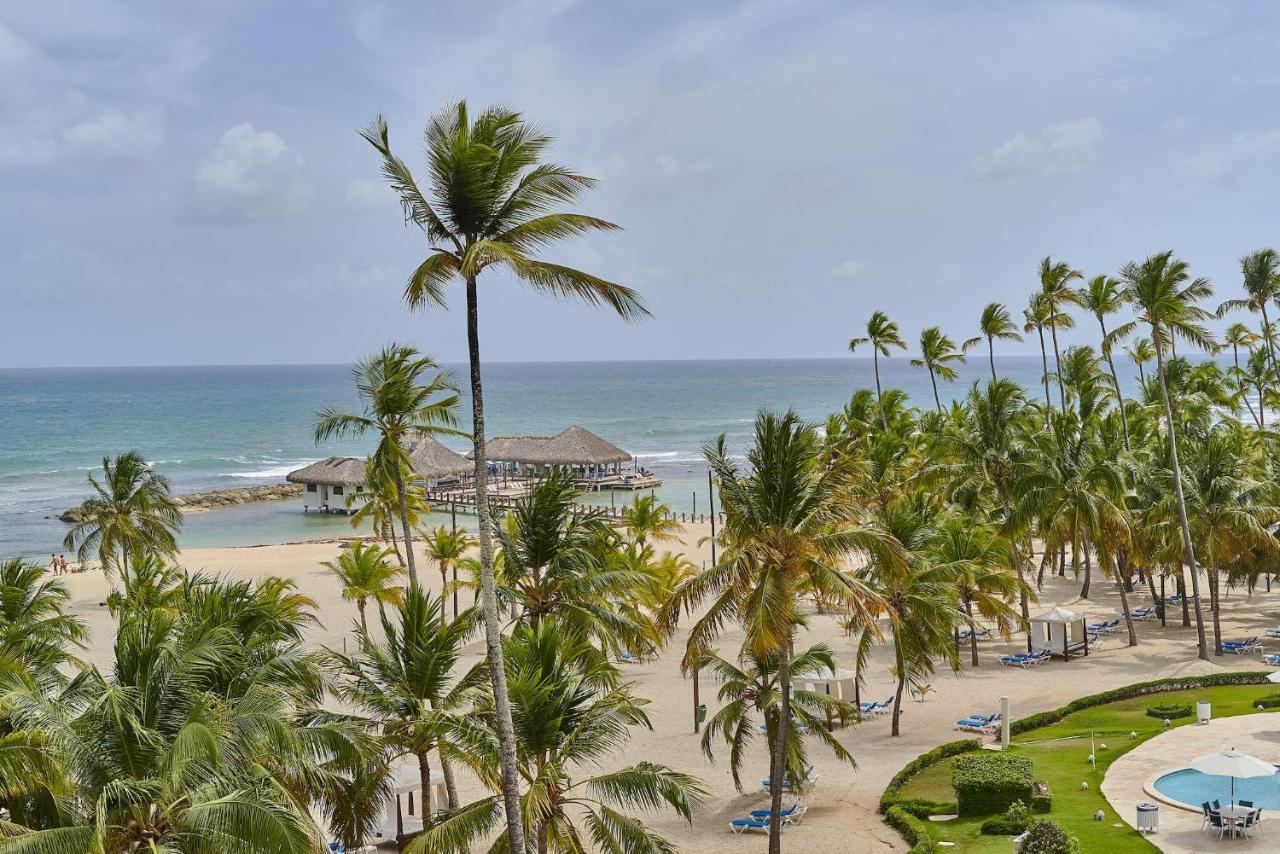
(1061, 631)
(838, 683)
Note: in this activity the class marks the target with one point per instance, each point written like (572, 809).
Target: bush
(1170, 711)
(1045, 837)
(1013, 822)
(921, 762)
(923, 808)
(1268, 701)
(1041, 797)
(912, 830)
(990, 783)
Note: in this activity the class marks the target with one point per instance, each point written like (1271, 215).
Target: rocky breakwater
(198, 502)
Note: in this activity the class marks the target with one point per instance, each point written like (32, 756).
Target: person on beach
(62, 563)
(53, 563)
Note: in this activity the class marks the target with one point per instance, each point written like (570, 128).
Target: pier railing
(465, 501)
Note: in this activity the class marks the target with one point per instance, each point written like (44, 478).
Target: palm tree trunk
(1023, 603)
(1266, 325)
(901, 663)
(404, 525)
(1115, 381)
(1057, 364)
(1177, 489)
(1213, 608)
(875, 360)
(395, 542)
(489, 590)
(450, 787)
(1151, 585)
(991, 357)
(937, 401)
(1128, 618)
(1088, 570)
(1044, 363)
(424, 775)
(1142, 374)
(973, 634)
(779, 759)
(455, 591)
(1182, 595)
(364, 626)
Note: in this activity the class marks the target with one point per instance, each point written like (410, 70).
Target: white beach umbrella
(1233, 764)
(1274, 677)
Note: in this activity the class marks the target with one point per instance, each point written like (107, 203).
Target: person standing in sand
(53, 563)
(62, 564)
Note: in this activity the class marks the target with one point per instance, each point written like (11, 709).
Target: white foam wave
(276, 471)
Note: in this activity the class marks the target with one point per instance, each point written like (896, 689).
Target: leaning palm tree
(130, 514)
(403, 395)
(994, 323)
(790, 522)
(1261, 273)
(365, 573)
(492, 203)
(1055, 287)
(882, 333)
(1036, 315)
(1165, 295)
(570, 712)
(1101, 296)
(937, 353)
(447, 548)
(39, 634)
(1261, 378)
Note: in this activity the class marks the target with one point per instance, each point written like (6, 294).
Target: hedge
(923, 808)
(1268, 701)
(1170, 711)
(912, 830)
(991, 782)
(1046, 837)
(921, 762)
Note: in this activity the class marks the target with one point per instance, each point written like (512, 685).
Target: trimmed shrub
(1268, 701)
(1172, 711)
(1014, 821)
(1041, 797)
(912, 830)
(1046, 837)
(923, 808)
(991, 782)
(921, 762)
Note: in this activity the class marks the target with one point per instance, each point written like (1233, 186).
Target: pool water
(1194, 788)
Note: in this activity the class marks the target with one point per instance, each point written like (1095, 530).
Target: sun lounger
(791, 815)
(628, 657)
(1243, 647)
(1273, 632)
(1273, 660)
(1104, 628)
(742, 825)
(1145, 614)
(980, 634)
(980, 724)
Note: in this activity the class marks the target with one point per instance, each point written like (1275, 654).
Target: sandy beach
(842, 814)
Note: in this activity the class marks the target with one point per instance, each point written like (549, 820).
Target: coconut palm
(1055, 287)
(131, 513)
(378, 504)
(570, 711)
(647, 519)
(937, 353)
(1141, 352)
(882, 334)
(1037, 315)
(749, 688)
(1102, 296)
(1260, 377)
(994, 323)
(492, 203)
(1260, 271)
(403, 395)
(405, 682)
(979, 562)
(1165, 296)
(447, 548)
(39, 634)
(364, 573)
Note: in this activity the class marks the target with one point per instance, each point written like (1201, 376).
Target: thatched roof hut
(575, 446)
(432, 460)
(335, 471)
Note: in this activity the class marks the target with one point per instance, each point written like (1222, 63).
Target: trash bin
(1202, 712)
(1148, 817)
(700, 714)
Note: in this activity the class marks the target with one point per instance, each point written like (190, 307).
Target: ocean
(222, 427)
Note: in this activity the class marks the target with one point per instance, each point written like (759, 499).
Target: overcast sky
(183, 183)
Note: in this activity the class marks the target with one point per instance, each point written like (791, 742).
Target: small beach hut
(1061, 631)
(838, 683)
(435, 464)
(328, 484)
(576, 449)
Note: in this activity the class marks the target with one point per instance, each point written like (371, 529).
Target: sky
(184, 183)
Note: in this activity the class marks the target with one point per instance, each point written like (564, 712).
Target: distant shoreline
(217, 499)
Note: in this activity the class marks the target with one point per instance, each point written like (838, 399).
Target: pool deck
(1129, 777)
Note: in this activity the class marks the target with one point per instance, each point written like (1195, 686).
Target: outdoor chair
(742, 825)
(1219, 824)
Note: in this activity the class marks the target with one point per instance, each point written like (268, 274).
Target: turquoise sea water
(221, 427)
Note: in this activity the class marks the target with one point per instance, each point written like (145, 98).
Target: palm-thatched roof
(430, 459)
(575, 446)
(335, 471)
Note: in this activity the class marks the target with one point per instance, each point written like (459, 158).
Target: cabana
(1060, 631)
(576, 449)
(435, 464)
(326, 485)
(838, 683)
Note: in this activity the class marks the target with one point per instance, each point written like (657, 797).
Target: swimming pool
(1193, 788)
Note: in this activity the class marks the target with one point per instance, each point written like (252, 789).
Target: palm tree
(131, 514)
(569, 713)
(1236, 336)
(405, 682)
(1260, 376)
(447, 548)
(1261, 273)
(648, 519)
(38, 632)
(1037, 315)
(994, 323)
(750, 687)
(399, 404)
(1162, 291)
(379, 505)
(882, 333)
(978, 561)
(1055, 287)
(1101, 296)
(492, 204)
(364, 573)
(789, 523)
(937, 353)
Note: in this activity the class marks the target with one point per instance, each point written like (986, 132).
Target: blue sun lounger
(742, 825)
(791, 815)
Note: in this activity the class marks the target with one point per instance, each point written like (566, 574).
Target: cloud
(1055, 149)
(112, 133)
(365, 195)
(1241, 151)
(851, 269)
(249, 175)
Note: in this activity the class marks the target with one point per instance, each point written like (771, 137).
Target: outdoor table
(1235, 812)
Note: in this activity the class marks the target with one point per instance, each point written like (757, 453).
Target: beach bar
(595, 462)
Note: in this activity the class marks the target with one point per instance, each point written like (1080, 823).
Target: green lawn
(1060, 754)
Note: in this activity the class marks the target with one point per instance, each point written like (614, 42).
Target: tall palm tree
(647, 519)
(1261, 274)
(978, 561)
(405, 681)
(378, 504)
(1037, 315)
(1238, 335)
(492, 203)
(38, 632)
(131, 513)
(1055, 287)
(447, 548)
(570, 712)
(364, 573)
(401, 399)
(994, 323)
(937, 353)
(1165, 295)
(1101, 296)
(882, 333)
(790, 522)
(1260, 376)
(1141, 352)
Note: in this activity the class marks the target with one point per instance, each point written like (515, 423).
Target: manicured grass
(1060, 755)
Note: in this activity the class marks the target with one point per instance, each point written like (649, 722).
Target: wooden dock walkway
(465, 500)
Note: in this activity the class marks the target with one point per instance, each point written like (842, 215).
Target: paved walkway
(1128, 777)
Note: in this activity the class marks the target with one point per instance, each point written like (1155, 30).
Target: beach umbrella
(1232, 763)
(1274, 677)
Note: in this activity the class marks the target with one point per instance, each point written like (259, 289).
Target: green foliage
(1014, 821)
(1268, 701)
(923, 807)
(921, 762)
(1041, 797)
(988, 783)
(912, 829)
(1170, 711)
(1046, 837)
